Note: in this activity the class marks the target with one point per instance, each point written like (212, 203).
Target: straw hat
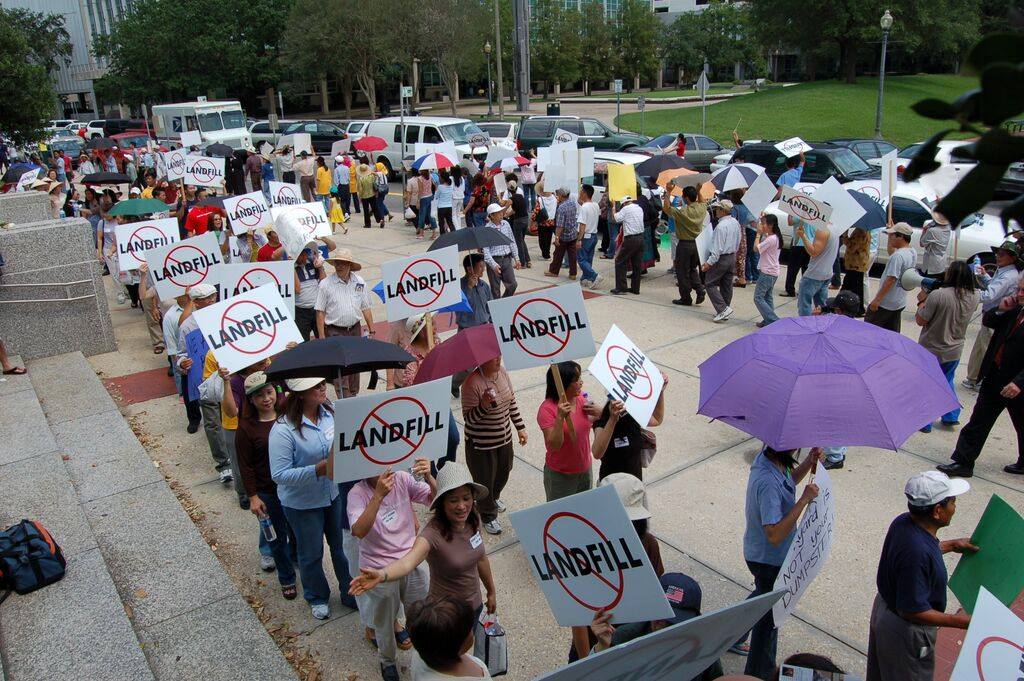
(343, 255)
(453, 476)
(298, 385)
(631, 492)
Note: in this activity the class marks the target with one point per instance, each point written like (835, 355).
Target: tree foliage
(721, 34)
(555, 50)
(26, 98)
(636, 37)
(597, 46)
(450, 34)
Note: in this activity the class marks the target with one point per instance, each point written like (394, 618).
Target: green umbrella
(139, 207)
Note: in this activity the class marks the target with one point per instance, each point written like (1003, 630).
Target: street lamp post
(886, 24)
(490, 104)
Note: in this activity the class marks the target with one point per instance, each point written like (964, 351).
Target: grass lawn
(816, 111)
(690, 92)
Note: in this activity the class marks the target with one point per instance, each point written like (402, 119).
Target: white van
(426, 129)
(217, 122)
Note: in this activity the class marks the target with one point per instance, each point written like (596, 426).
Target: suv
(260, 132)
(869, 150)
(112, 126)
(701, 150)
(539, 131)
(821, 162)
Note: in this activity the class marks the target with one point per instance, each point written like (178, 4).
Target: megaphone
(913, 279)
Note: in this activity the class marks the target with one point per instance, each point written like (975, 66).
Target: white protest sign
(553, 155)
(26, 179)
(500, 186)
(558, 176)
(703, 241)
(191, 138)
(845, 209)
(793, 146)
(890, 163)
(563, 135)
(204, 171)
(628, 374)
(233, 278)
(809, 551)
(247, 212)
(759, 194)
(794, 202)
(248, 327)
(584, 163)
(496, 153)
(542, 327)
(174, 162)
(182, 264)
(681, 651)
(421, 283)
(284, 194)
(301, 142)
(266, 149)
(993, 645)
(586, 556)
(310, 217)
(134, 239)
(234, 254)
(391, 429)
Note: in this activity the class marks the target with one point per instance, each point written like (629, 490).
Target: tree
(25, 91)
(597, 43)
(555, 42)
(721, 34)
(451, 35)
(636, 36)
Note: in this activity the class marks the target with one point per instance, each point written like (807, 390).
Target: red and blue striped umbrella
(509, 164)
(432, 161)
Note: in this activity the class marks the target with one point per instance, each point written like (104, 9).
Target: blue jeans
(382, 208)
(585, 257)
(750, 271)
(764, 637)
(325, 199)
(613, 234)
(763, 300)
(282, 548)
(812, 292)
(949, 369)
(476, 218)
(424, 215)
(310, 526)
(530, 194)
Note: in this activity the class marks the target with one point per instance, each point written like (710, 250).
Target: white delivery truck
(220, 122)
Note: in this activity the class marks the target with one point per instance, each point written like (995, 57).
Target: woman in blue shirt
(300, 443)
(772, 511)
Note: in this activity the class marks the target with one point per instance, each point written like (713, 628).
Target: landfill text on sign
(310, 221)
(286, 196)
(205, 170)
(386, 433)
(626, 376)
(234, 331)
(412, 283)
(537, 328)
(247, 209)
(806, 210)
(139, 244)
(580, 562)
(809, 552)
(176, 268)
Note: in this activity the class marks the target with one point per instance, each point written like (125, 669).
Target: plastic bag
(490, 644)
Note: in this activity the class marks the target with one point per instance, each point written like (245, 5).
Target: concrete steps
(144, 596)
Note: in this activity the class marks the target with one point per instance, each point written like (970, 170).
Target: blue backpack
(29, 558)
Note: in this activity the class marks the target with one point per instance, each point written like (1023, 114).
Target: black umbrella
(656, 165)
(100, 143)
(106, 178)
(471, 238)
(337, 356)
(16, 170)
(217, 201)
(219, 150)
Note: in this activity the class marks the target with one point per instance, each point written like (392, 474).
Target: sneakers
(267, 563)
(321, 611)
(500, 505)
(832, 465)
(596, 281)
(723, 315)
(226, 476)
(681, 301)
(389, 673)
(971, 385)
(121, 298)
(493, 527)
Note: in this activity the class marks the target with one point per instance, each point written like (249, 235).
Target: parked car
(869, 150)
(78, 128)
(500, 131)
(260, 131)
(105, 127)
(58, 124)
(953, 165)
(821, 162)
(426, 129)
(71, 145)
(539, 131)
(701, 150)
(322, 134)
(94, 128)
(356, 129)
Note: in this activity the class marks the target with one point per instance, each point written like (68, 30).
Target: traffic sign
(702, 85)
(407, 91)
(641, 102)
(617, 86)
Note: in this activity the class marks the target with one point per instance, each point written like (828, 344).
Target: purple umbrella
(828, 381)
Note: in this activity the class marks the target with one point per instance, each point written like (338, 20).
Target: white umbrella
(736, 176)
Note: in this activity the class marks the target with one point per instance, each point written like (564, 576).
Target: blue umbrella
(461, 306)
(874, 215)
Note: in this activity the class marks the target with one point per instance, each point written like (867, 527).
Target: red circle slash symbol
(618, 370)
(170, 258)
(248, 279)
(139, 238)
(238, 345)
(251, 217)
(562, 342)
(616, 589)
(997, 639)
(436, 291)
(410, 404)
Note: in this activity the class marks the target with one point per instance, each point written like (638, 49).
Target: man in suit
(1001, 387)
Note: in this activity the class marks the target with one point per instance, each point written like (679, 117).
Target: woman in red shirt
(567, 460)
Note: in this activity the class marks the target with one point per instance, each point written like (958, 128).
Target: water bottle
(267, 528)
(976, 264)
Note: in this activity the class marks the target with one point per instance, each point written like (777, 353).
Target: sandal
(289, 592)
(16, 371)
(403, 640)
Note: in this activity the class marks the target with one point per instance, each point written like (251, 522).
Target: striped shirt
(492, 252)
(489, 426)
(342, 302)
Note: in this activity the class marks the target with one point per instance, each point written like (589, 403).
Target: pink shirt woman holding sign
(566, 427)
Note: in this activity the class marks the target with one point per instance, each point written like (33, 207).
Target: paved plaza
(695, 484)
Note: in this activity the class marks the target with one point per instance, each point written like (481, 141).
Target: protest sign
(392, 429)
(174, 162)
(496, 153)
(810, 548)
(760, 193)
(628, 374)
(799, 205)
(587, 557)
(26, 179)
(248, 327)
(793, 146)
(542, 327)
(302, 142)
(234, 278)
(284, 193)
(563, 135)
(997, 567)
(552, 155)
(421, 283)
(845, 209)
(235, 255)
(621, 181)
(890, 165)
(196, 349)
(682, 651)
(180, 265)
(994, 644)
(703, 241)
(191, 138)
(204, 171)
(247, 212)
(135, 238)
(310, 218)
(500, 186)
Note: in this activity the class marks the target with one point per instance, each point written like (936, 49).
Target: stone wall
(22, 207)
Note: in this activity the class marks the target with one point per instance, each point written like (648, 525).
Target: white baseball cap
(494, 208)
(298, 385)
(200, 291)
(931, 487)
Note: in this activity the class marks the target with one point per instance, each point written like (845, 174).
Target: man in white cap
(342, 303)
(502, 261)
(886, 310)
(342, 176)
(721, 261)
(911, 581)
(630, 247)
(200, 296)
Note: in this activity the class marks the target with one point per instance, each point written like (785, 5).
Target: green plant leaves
(997, 48)
(935, 109)
(972, 192)
(995, 146)
(1002, 87)
(1013, 211)
(924, 160)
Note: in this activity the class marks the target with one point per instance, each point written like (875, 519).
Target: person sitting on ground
(811, 661)
(441, 628)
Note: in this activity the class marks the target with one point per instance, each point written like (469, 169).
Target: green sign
(999, 564)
